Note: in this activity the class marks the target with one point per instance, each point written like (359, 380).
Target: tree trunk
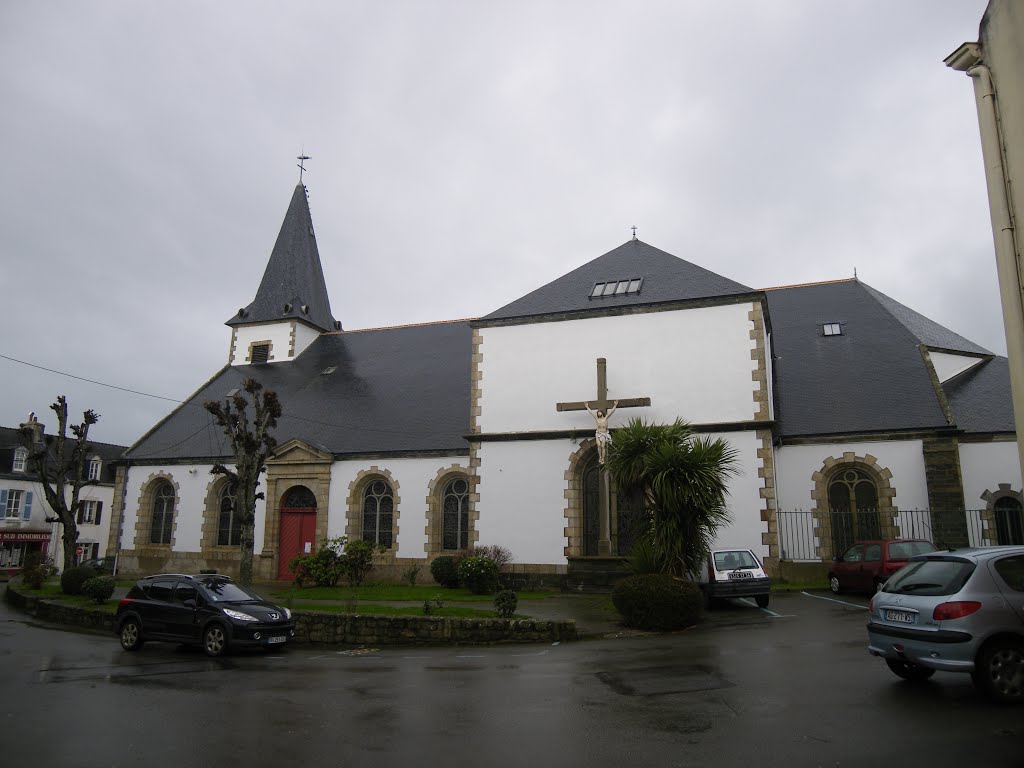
(245, 565)
(69, 537)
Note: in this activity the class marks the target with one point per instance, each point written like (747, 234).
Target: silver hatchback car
(957, 611)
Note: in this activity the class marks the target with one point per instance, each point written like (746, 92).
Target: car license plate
(276, 639)
(902, 617)
(740, 575)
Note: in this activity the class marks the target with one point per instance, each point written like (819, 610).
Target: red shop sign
(24, 535)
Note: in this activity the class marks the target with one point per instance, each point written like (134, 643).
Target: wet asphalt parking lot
(788, 686)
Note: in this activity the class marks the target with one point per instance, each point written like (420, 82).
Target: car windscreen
(938, 576)
(228, 592)
(904, 550)
(728, 560)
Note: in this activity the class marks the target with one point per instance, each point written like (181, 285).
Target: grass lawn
(51, 591)
(455, 611)
(388, 593)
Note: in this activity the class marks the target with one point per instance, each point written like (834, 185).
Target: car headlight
(287, 613)
(238, 615)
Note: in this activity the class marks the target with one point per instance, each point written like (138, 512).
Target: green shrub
(445, 570)
(72, 579)
(501, 555)
(657, 602)
(505, 603)
(357, 560)
(411, 574)
(644, 558)
(324, 567)
(99, 588)
(479, 575)
(36, 570)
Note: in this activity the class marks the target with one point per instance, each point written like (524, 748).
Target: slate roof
(871, 378)
(666, 278)
(392, 390)
(10, 440)
(927, 331)
(980, 397)
(294, 277)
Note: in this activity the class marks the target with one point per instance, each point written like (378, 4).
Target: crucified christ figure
(602, 434)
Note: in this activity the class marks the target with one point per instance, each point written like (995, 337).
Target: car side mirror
(837, 559)
(190, 603)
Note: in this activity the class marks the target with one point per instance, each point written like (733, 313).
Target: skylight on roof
(616, 288)
(831, 329)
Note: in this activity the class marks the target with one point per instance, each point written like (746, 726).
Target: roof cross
(302, 158)
(634, 231)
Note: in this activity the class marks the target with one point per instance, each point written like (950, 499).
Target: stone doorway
(298, 527)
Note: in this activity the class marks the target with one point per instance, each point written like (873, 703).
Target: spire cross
(302, 160)
(634, 231)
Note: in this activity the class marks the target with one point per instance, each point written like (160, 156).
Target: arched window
(378, 513)
(1009, 521)
(455, 514)
(853, 505)
(163, 514)
(229, 523)
(20, 460)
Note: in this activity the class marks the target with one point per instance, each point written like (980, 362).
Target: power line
(91, 381)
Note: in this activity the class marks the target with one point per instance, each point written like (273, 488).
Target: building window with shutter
(89, 512)
(12, 507)
(95, 465)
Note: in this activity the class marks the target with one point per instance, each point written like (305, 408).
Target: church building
(852, 416)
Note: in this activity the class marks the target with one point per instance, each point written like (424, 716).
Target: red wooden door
(298, 536)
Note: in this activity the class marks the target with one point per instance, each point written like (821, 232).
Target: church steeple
(293, 285)
(291, 306)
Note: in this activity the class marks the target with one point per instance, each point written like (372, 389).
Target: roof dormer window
(616, 288)
(95, 465)
(831, 329)
(20, 460)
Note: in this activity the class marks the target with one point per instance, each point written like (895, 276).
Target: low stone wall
(353, 629)
(343, 628)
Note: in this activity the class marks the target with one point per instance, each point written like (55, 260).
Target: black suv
(208, 610)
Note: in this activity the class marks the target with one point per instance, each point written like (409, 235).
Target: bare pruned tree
(251, 443)
(58, 461)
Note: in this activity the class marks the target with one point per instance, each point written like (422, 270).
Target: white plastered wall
(280, 336)
(192, 483)
(694, 363)
(984, 466)
(413, 478)
(795, 465)
(522, 497)
(947, 366)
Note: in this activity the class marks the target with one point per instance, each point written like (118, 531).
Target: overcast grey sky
(463, 154)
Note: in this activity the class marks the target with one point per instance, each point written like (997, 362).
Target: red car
(867, 565)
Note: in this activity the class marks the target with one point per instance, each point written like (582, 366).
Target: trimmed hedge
(72, 579)
(445, 570)
(99, 588)
(479, 575)
(658, 602)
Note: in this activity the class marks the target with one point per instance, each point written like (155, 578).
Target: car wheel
(761, 600)
(131, 635)
(833, 584)
(999, 671)
(908, 671)
(215, 642)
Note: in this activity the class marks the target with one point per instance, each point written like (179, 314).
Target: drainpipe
(968, 59)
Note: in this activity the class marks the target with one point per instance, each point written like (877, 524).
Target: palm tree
(684, 478)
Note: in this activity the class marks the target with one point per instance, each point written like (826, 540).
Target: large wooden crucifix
(601, 409)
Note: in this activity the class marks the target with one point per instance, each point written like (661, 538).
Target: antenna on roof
(634, 231)
(854, 273)
(302, 158)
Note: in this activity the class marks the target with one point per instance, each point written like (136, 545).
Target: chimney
(36, 429)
